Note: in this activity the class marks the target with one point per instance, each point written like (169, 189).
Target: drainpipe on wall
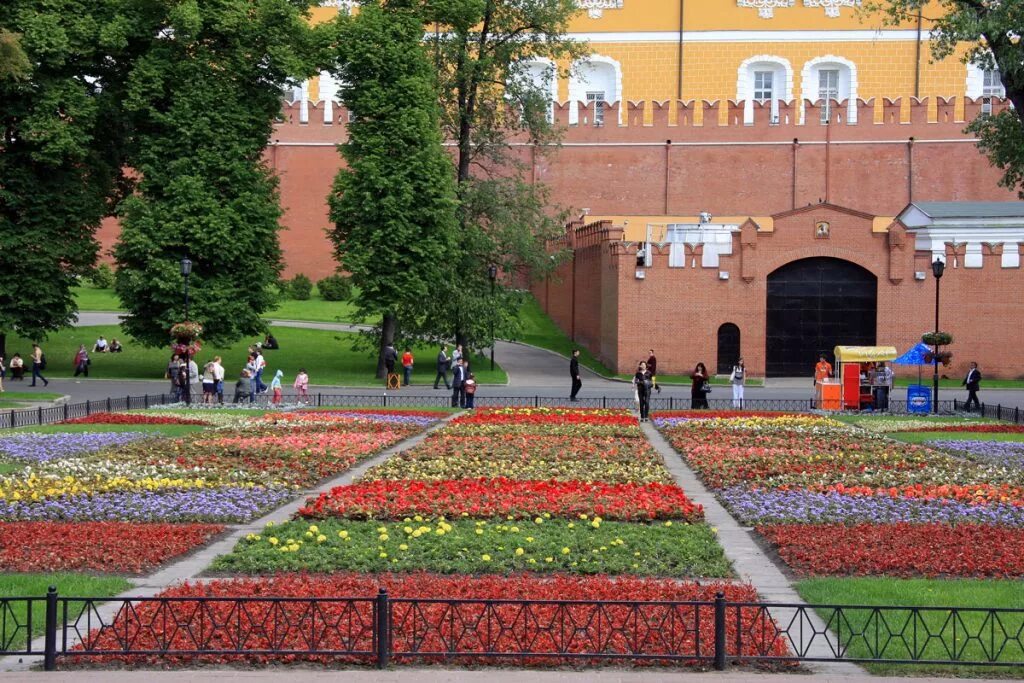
(796, 144)
(668, 149)
(679, 85)
(910, 170)
(917, 58)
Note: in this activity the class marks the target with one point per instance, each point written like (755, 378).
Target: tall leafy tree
(489, 98)
(203, 98)
(394, 204)
(993, 31)
(59, 153)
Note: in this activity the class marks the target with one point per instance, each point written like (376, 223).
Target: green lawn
(10, 400)
(955, 384)
(327, 356)
(919, 593)
(313, 309)
(36, 585)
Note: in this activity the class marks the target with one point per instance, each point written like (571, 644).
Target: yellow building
(747, 50)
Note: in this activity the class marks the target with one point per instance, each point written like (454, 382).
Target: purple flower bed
(390, 418)
(236, 504)
(1009, 453)
(31, 447)
(801, 507)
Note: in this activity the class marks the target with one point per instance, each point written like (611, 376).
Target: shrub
(300, 287)
(102, 277)
(335, 288)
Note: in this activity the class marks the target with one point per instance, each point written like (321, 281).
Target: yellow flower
(384, 537)
(668, 523)
(270, 524)
(321, 538)
(383, 555)
(596, 524)
(407, 529)
(479, 532)
(572, 525)
(485, 558)
(583, 515)
(439, 532)
(514, 530)
(315, 529)
(417, 533)
(403, 547)
(532, 561)
(538, 521)
(382, 530)
(549, 559)
(519, 551)
(309, 534)
(272, 540)
(342, 534)
(418, 518)
(565, 551)
(529, 539)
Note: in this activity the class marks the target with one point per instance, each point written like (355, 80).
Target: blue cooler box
(919, 399)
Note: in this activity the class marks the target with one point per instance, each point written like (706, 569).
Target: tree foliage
(992, 31)
(60, 153)
(489, 99)
(394, 204)
(202, 98)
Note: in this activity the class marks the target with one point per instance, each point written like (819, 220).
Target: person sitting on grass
(100, 346)
(270, 343)
(115, 346)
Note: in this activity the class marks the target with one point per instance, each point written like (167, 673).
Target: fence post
(604, 401)
(50, 644)
(385, 405)
(40, 413)
(536, 401)
(319, 399)
(1016, 414)
(999, 411)
(88, 407)
(383, 629)
(720, 640)
(145, 401)
(65, 412)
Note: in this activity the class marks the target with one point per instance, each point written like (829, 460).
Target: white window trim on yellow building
(976, 83)
(847, 83)
(765, 8)
(832, 6)
(544, 78)
(745, 83)
(579, 85)
(595, 8)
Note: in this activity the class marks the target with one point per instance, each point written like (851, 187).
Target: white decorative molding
(340, 4)
(745, 83)
(832, 6)
(847, 83)
(765, 8)
(595, 8)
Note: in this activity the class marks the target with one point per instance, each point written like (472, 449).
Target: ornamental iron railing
(29, 417)
(379, 630)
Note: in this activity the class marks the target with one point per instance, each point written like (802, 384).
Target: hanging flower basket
(937, 338)
(191, 348)
(944, 357)
(185, 336)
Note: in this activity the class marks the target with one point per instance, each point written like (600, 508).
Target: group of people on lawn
(463, 385)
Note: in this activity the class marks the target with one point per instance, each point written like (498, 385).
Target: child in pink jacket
(302, 386)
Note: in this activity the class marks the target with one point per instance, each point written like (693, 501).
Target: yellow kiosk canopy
(865, 354)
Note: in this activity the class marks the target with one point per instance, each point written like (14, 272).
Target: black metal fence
(10, 419)
(381, 629)
(995, 412)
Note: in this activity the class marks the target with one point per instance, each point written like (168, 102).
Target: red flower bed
(973, 429)
(977, 494)
(120, 547)
(541, 416)
(967, 550)
(134, 419)
(428, 627)
(390, 499)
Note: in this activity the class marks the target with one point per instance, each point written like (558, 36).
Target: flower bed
(884, 425)
(902, 550)
(1007, 453)
(664, 626)
(586, 546)
(545, 416)
(502, 497)
(974, 429)
(135, 419)
(32, 447)
(97, 546)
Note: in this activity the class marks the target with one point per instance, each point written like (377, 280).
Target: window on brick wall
(597, 98)
(828, 90)
(991, 86)
(764, 86)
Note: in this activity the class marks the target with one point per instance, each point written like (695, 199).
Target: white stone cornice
(765, 8)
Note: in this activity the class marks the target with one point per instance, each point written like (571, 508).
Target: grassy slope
(314, 309)
(327, 356)
(35, 585)
(921, 592)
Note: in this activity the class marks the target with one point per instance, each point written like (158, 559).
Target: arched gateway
(815, 304)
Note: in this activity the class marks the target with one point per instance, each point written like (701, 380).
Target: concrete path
(746, 556)
(443, 675)
(195, 563)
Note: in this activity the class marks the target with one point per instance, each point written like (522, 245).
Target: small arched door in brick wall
(728, 347)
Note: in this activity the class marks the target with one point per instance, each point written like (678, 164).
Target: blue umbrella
(914, 356)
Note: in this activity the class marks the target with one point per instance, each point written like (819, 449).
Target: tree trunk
(387, 336)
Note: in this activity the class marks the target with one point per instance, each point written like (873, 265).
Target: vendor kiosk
(857, 384)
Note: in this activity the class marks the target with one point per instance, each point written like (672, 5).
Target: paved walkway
(749, 562)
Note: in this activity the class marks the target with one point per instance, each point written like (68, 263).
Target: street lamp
(186, 270)
(492, 273)
(938, 266)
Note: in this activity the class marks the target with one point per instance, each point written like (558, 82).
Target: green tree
(202, 99)
(14, 64)
(394, 204)
(992, 30)
(480, 48)
(59, 153)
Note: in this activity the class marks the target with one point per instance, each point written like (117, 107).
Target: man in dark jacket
(390, 357)
(459, 385)
(652, 369)
(443, 364)
(574, 373)
(973, 382)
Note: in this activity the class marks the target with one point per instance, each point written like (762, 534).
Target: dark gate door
(728, 347)
(814, 305)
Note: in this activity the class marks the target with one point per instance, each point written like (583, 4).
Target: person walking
(407, 361)
(301, 386)
(470, 385)
(3, 374)
(275, 388)
(218, 376)
(82, 361)
(652, 369)
(738, 379)
(261, 365)
(456, 355)
(38, 365)
(459, 385)
(574, 373)
(390, 358)
(443, 365)
(699, 388)
(642, 382)
(973, 383)
(251, 366)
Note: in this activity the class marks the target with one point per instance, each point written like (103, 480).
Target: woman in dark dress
(698, 396)
(642, 382)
